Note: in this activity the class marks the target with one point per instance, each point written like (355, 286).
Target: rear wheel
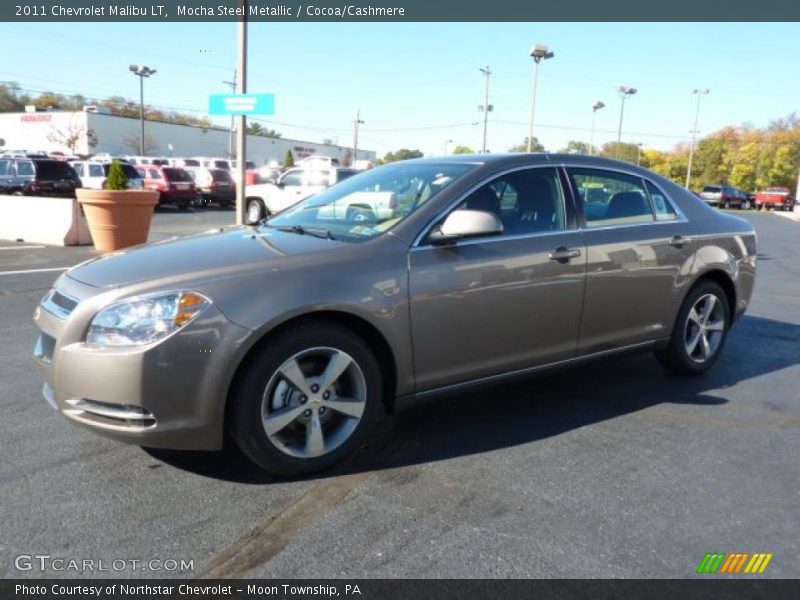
(726, 204)
(306, 399)
(700, 332)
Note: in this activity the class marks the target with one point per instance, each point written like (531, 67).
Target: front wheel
(726, 205)
(700, 331)
(254, 213)
(306, 399)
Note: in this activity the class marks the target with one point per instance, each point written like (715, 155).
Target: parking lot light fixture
(625, 92)
(700, 93)
(446, 144)
(597, 106)
(539, 53)
(141, 71)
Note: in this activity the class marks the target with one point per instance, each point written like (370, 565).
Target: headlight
(144, 319)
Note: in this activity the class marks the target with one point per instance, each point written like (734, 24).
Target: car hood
(208, 254)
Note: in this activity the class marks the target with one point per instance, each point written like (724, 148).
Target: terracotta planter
(118, 219)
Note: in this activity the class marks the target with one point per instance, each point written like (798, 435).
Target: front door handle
(563, 254)
(679, 241)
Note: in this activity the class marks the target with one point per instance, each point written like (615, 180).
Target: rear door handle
(563, 254)
(679, 241)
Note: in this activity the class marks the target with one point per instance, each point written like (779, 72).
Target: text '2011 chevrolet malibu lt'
(406, 281)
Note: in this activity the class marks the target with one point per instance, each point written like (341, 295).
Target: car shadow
(533, 408)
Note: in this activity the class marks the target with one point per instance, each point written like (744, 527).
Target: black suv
(37, 177)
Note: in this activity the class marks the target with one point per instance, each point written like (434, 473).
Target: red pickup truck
(779, 198)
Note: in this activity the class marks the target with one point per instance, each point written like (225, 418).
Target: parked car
(213, 185)
(93, 174)
(140, 161)
(37, 177)
(214, 163)
(318, 160)
(725, 196)
(779, 198)
(294, 185)
(175, 186)
(293, 336)
(184, 162)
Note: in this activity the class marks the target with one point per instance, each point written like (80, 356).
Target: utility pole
(486, 107)
(241, 133)
(356, 122)
(700, 93)
(639, 154)
(232, 84)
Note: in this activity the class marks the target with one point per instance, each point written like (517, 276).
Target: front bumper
(165, 395)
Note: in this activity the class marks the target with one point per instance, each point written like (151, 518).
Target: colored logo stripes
(734, 563)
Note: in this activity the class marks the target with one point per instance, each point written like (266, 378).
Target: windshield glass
(368, 204)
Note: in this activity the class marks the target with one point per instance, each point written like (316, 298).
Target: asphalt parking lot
(613, 470)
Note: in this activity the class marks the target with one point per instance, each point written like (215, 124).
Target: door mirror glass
(466, 223)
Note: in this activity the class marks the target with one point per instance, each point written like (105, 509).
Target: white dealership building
(90, 132)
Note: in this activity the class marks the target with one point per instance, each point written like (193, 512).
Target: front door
(486, 306)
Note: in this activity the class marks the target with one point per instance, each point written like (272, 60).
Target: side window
(529, 201)
(154, 174)
(4, 167)
(292, 178)
(78, 169)
(96, 171)
(25, 167)
(661, 206)
(611, 198)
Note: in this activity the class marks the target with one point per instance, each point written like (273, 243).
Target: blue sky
(418, 84)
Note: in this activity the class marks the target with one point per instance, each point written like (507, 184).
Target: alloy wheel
(705, 327)
(313, 402)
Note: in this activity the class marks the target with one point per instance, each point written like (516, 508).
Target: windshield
(368, 204)
(177, 175)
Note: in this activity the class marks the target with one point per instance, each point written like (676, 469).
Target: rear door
(486, 306)
(638, 253)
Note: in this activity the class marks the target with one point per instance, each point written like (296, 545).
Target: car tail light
(213, 186)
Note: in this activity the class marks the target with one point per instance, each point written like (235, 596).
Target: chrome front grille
(59, 304)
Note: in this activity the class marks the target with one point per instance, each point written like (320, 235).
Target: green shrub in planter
(116, 180)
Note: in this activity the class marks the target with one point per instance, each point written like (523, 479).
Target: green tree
(116, 180)
(622, 151)
(576, 147)
(254, 128)
(463, 150)
(402, 154)
(288, 159)
(536, 146)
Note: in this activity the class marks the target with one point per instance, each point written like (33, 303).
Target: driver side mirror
(461, 224)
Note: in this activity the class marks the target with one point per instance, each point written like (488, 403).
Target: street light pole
(639, 154)
(241, 133)
(597, 106)
(447, 143)
(356, 122)
(538, 53)
(141, 71)
(232, 85)
(625, 92)
(486, 107)
(700, 93)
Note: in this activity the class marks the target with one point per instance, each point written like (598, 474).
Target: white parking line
(34, 271)
(20, 247)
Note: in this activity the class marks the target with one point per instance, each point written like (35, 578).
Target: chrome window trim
(426, 230)
(678, 211)
(680, 216)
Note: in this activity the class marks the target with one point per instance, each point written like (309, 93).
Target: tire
(254, 212)
(687, 354)
(745, 205)
(726, 205)
(199, 201)
(17, 193)
(282, 380)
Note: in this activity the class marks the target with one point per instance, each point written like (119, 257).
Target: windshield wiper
(313, 231)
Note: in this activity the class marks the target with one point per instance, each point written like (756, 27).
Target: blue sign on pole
(241, 104)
